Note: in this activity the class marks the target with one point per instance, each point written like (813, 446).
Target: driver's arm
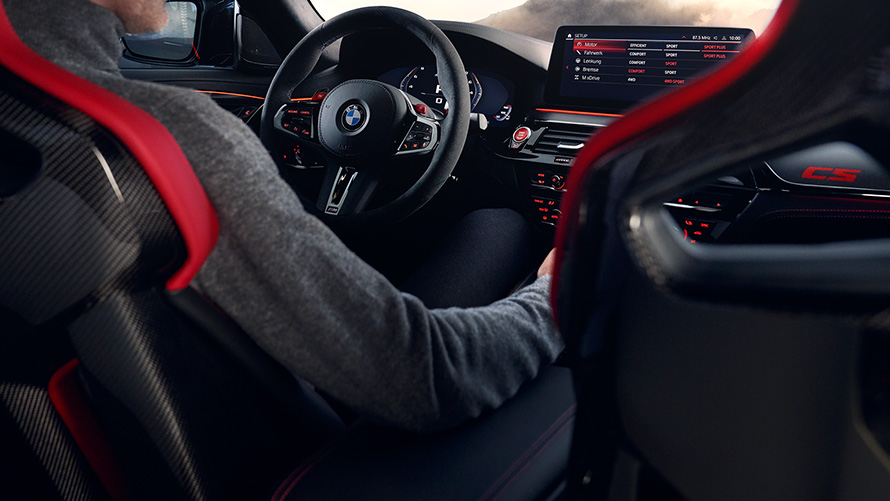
(325, 314)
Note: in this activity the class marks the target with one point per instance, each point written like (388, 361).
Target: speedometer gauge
(422, 82)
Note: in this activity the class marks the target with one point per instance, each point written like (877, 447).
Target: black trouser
(480, 260)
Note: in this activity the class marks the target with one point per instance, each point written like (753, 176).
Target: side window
(174, 43)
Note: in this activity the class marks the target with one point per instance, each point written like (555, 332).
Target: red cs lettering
(810, 173)
(843, 175)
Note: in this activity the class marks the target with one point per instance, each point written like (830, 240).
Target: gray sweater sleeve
(329, 317)
(290, 283)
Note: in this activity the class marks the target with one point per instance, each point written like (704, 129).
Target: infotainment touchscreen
(611, 68)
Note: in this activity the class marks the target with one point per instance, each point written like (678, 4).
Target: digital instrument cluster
(490, 95)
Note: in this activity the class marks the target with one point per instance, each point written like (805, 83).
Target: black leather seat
(518, 452)
(736, 371)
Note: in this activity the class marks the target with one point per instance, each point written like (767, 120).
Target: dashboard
(536, 104)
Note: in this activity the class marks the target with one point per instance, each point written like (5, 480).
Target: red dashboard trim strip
(230, 94)
(655, 113)
(147, 140)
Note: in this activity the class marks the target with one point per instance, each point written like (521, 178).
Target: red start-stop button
(521, 134)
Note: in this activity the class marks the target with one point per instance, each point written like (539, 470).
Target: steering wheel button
(420, 109)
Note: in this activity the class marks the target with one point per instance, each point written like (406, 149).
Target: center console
(596, 74)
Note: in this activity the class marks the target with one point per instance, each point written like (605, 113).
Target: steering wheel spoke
(298, 120)
(422, 138)
(347, 190)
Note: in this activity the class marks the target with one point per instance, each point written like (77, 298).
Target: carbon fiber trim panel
(89, 220)
(87, 247)
(80, 220)
(118, 342)
(32, 412)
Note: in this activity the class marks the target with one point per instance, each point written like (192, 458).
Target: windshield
(540, 18)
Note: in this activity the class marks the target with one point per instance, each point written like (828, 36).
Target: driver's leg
(481, 259)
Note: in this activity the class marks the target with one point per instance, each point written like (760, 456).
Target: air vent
(563, 139)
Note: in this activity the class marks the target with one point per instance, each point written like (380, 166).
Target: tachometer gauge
(422, 82)
(504, 114)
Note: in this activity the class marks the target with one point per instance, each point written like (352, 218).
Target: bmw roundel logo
(353, 117)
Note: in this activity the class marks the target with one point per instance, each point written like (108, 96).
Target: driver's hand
(548, 264)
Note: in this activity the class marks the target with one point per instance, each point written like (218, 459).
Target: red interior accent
(654, 114)
(229, 94)
(301, 471)
(522, 463)
(70, 402)
(146, 139)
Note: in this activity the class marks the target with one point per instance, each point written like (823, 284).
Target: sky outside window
(540, 18)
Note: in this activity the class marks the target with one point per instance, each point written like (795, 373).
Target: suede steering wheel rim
(354, 117)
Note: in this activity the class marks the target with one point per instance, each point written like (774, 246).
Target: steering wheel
(360, 126)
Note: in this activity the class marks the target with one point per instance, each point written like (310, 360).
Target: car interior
(718, 200)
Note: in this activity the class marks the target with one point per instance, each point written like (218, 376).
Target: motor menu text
(643, 62)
